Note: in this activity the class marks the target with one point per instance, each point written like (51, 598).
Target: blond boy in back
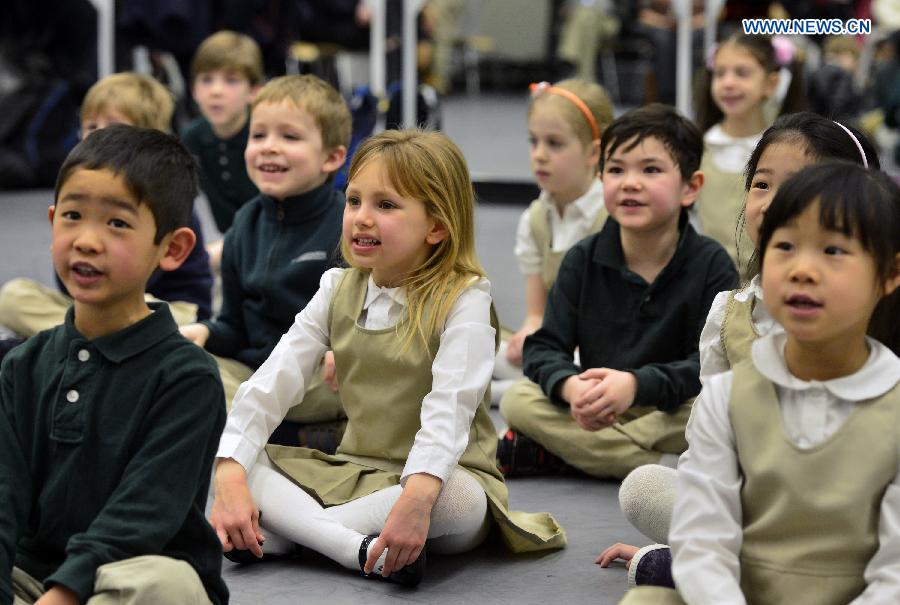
(283, 240)
(27, 307)
(226, 73)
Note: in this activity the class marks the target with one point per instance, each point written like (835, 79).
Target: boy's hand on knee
(196, 333)
(577, 392)
(329, 372)
(613, 395)
(58, 595)
(406, 528)
(234, 515)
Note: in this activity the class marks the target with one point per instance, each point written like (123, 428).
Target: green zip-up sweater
(273, 257)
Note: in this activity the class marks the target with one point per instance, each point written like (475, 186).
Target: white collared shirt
(461, 373)
(575, 224)
(706, 532)
(712, 353)
(728, 153)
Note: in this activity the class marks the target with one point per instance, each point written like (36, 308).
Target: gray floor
(587, 509)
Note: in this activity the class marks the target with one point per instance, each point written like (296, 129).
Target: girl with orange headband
(565, 122)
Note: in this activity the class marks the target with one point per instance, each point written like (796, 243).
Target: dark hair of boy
(860, 203)
(140, 156)
(681, 137)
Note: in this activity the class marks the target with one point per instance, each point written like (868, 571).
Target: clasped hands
(598, 396)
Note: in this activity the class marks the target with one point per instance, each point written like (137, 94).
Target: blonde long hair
(428, 166)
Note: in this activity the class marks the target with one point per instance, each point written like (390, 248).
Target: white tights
(459, 520)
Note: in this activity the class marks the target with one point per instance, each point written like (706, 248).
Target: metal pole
(683, 57)
(410, 42)
(377, 60)
(712, 9)
(106, 12)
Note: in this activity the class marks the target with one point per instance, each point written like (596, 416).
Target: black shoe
(411, 575)
(519, 456)
(245, 557)
(322, 436)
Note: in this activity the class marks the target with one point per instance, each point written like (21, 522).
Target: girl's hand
(234, 515)
(625, 552)
(514, 349)
(329, 373)
(516, 344)
(196, 333)
(407, 525)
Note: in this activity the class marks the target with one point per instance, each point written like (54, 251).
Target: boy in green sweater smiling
(109, 422)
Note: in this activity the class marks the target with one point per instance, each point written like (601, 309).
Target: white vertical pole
(712, 9)
(683, 57)
(377, 58)
(410, 42)
(106, 15)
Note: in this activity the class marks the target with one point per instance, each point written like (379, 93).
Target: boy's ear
(893, 282)
(691, 189)
(51, 210)
(253, 92)
(437, 233)
(176, 247)
(335, 159)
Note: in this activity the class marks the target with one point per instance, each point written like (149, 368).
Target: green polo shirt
(106, 450)
(617, 320)
(223, 172)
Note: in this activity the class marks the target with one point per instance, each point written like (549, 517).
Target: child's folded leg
(646, 497)
(643, 436)
(28, 307)
(651, 595)
(288, 511)
(147, 580)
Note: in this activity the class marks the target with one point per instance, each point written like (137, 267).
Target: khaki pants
(28, 307)
(319, 403)
(642, 435)
(651, 595)
(147, 580)
(584, 31)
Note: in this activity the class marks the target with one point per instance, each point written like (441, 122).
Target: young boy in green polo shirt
(109, 422)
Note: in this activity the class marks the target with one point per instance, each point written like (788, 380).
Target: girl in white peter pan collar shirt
(791, 493)
(412, 330)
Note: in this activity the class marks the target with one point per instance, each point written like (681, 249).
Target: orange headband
(538, 88)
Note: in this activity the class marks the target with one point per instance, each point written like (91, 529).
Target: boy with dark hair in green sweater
(109, 422)
(631, 300)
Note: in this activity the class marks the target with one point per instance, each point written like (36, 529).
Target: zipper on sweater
(279, 207)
